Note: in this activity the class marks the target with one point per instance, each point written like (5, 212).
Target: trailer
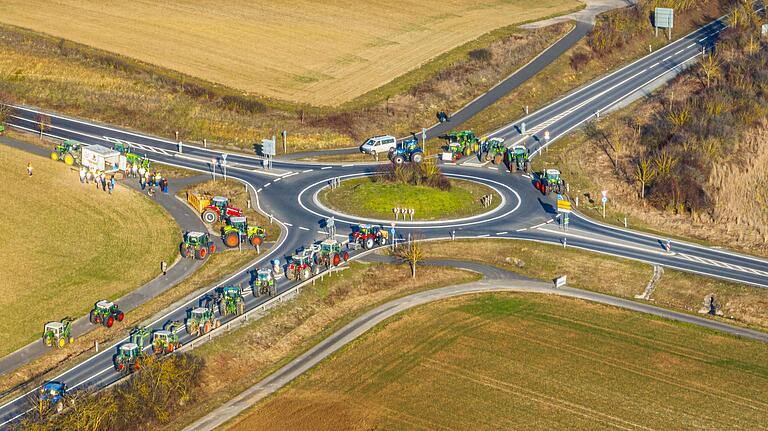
(98, 158)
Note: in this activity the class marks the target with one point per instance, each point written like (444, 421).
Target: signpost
(423, 135)
(604, 200)
(560, 281)
(546, 136)
(331, 225)
(268, 149)
(224, 164)
(285, 141)
(411, 212)
(664, 18)
(213, 168)
(392, 233)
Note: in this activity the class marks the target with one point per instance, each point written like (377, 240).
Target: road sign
(560, 281)
(563, 206)
(664, 17)
(423, 135)
(268, 147)
(605, 199)
(546, 135)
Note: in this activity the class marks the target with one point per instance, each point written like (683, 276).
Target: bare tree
(644, 174)
(44, 122)
(710, 67)
(412, 253)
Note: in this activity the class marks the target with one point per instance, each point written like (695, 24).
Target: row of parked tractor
(97, 157)
(464, 144)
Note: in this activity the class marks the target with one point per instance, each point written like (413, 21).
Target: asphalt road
(288, 193)
(359, 326)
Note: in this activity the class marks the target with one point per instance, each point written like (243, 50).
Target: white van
(379, 145)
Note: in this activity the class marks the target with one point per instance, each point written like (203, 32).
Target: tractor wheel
(232, 239)
(169, 349)
(110, 321)
(382, 240)
(61, 343)
(201, 253)
(183, 250)
(119, 366)
(288, 275)
(136, 365)
(345, 256)
(369, 243)
(207, 327)
(417, 157)
(54, 156)
(71, 340)
(69, 160)
(240, 308)
(398, 160)
(210, 216)
(527, 166)
(336, 259)
(48, 341)
(544, 189)
(120, 316)
(458, 156)
(305, 274)
(256, 240)
(497, 160)
(538, 185)
(211, 248)
(91, 317)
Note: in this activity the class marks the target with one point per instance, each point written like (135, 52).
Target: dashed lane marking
(502, 233)
(346, 166)
(288, 224)
(303, 228)
(267, 185)
(520, 230)
(307, 170)
(719, 264)
(259, 190)
(483, 236)
(327, 167)
(493, 167)
(277, 179)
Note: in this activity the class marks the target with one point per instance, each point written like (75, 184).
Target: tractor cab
(122, 147)
(406, 150)
(264, 275)
(520, 151)
(330, 246)
(140, 336)
(52, 392)
(161, 336)
(129, 351)
(301, 259)
(56, 328)
(239, 223)
(106, 306)
(230, 291)
(552, 176)
(196, 238)
(200, 314)
(220, 202)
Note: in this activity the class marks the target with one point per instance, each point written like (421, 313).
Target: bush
(579, 60)
(426, 174)
(151, 397)
(243, 104)
(481, 55)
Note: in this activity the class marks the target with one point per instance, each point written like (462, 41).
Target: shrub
(243, 104)
(579, 60)
(481, 55)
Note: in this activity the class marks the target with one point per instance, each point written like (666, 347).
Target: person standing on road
(88, 176)
(164, 267)
(82, 174)
(112, 183)
(134, 169)
(142, 182)
(29, 168)
(142, 171)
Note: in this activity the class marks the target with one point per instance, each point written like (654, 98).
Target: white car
(379, 145)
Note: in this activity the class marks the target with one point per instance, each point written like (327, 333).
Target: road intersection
(287, 193)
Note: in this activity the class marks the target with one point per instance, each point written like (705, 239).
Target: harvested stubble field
(507, 361)
(321, 53)
(68, 245)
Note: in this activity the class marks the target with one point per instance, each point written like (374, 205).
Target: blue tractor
(52, 395)
(407, 150)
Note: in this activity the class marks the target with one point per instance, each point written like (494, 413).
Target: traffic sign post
(224, 164)
(664, 18)
(604, 200)
(411, 212)
(546, 136)
(423, 135)
(392, 234)
(213, 169)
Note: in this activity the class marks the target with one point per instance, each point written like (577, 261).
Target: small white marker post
(213, 169)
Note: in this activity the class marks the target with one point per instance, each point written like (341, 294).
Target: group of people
(149, 180)
(99, 178)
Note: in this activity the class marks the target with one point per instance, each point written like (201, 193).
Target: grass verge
(504, 361)
(365, 198)
(70, 245)
(615, 276)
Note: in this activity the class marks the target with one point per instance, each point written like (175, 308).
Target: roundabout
(509, 201)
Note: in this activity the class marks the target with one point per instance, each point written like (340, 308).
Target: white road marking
(691, 45)
(668, 57)
(527, 176)
(260, 189)
(654, 65)
(277, 179)
(502, 233)
(267, 185)
(288, 224)
(303, 228)
(307, 170)
(347, 166)
(520, 230)
(483, 236)
(327, 167)
(678, 52)
(719, 264)
(493, 167)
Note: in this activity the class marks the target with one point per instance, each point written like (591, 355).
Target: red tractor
(301, 266)
(219, 209)
(369, 236)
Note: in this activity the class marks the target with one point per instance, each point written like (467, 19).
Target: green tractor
(238, 230)
(167, 339)
(105, 313)
(330, 254)
(66, 152)
(197, 245)
(265, 283)
(58, 333)
(201, 321)
(301, 266)
(129, 357)
(461, 144)
(518, 159)
(550, 181)
(132, 158)
(494, 150)
(232, 301)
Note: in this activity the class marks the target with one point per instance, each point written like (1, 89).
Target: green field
(365, 198)
(509, 361)
(67, 245)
